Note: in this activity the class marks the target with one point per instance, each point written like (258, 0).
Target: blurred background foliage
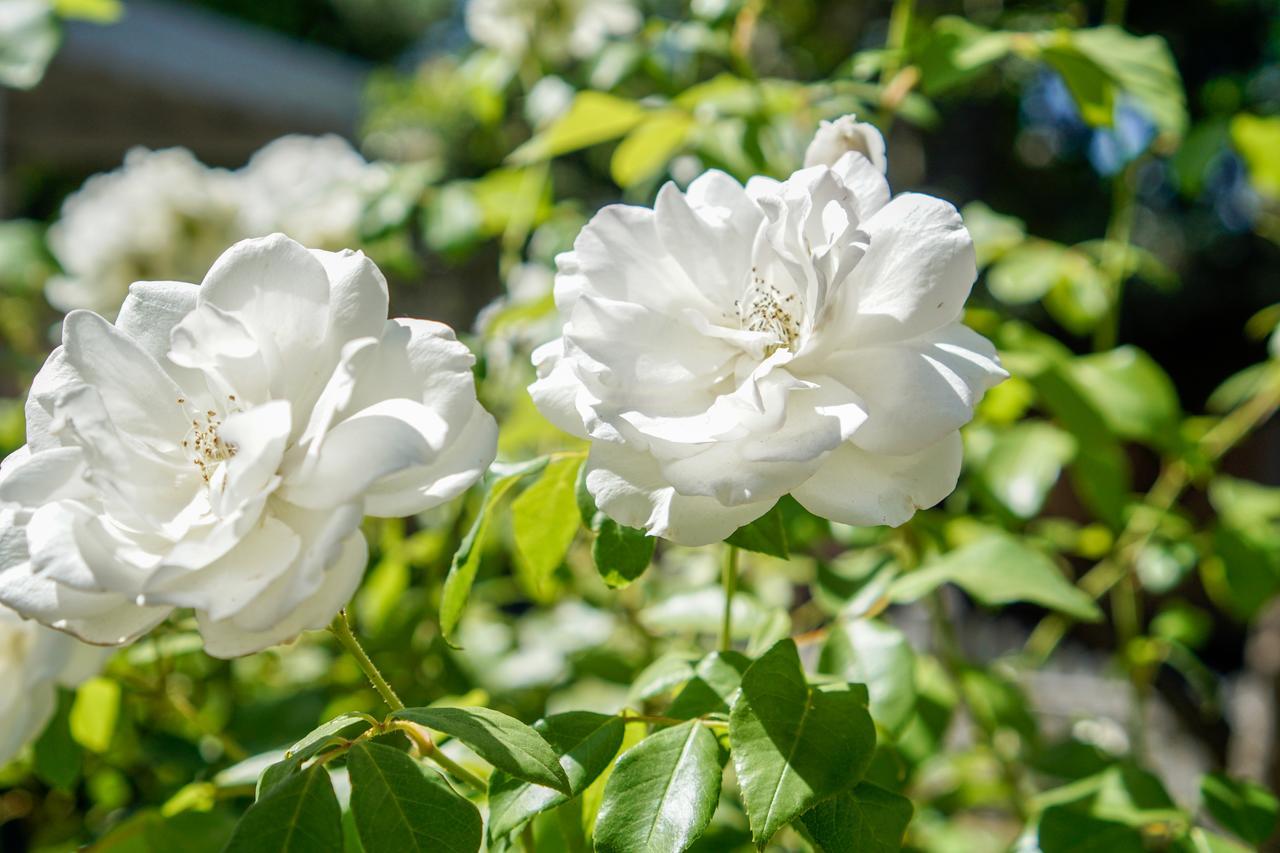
(1082, 643)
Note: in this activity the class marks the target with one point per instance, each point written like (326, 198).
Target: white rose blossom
(34, 662)
(313, 188)
(161, 215)
(217, 447)
(733, 345)
(836, 138)
(555, 29)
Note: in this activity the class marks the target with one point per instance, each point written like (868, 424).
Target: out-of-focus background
(1118, 165)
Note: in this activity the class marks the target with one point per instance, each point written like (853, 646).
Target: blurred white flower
(836, 138)
(161, 215)
(34, 662)
(312, 188)
(553, 29)
(218, 446)
(734, 345)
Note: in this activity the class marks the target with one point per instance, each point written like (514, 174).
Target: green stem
(427, 749)
(1116, 258)
(729, 579)
(341, 629)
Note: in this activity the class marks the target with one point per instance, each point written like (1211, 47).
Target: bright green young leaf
(586, 743)
(593, 118)
(57, 754)
(1091, 85)
(1023, 464)
(94, 713)
(955, 51)
(999, 569)
(1133, 394)
(1026, 272)
(544, 520)
(663, 792)
(401, 807)
(309, 746)
(878, 655)
(503, 741)
(1143, 68)
(649, 147)
(462, 571)
(715, 679)
(1081, 296)
(994, 234)
(1243, 807)
(665, 673)
(1257, 139)
(867, 819)
(621, 553)
(795, 745)
(766, 535)
(97, 11)
(300, 815)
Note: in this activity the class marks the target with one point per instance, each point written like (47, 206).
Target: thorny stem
(341, 629)
(729, 579)
(1164, 494)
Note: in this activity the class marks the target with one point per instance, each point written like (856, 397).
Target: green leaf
(1243, 807)
(586, 743)
(400, 807)
(308, 746)
(1144, 68)
(766, 535)
(868, 819)
(794, 745)
(1023, 464)
(544, 520)
(1257, 139)
(462, 571)
(878, 655)
(94, 713)
(300, 815)
(649, 147)
(1091, 85)
(955, 51)
(999, 569)
(503, 741)
(1026, 272)
(594, 117)
(1065, 830)
(663, 792)
(29, 37)
(715, 679)
(97, 11)
(994, 234)
(1134, 395)
(57, 754)
(621, 553)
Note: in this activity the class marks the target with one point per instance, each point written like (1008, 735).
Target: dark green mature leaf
(462, 571)
(401, 807)
(766, 535)
(955, 50)
(1245, 808)
(57, 755)
(716, 678)
(1065, 830)
(878, 655)
(310, 745)
(795, 745)
(586, 744)
(299, 815)
(663, 792)
(868, 819)
(621, 553)
(999, 569)
(544, 521)
(503, 741)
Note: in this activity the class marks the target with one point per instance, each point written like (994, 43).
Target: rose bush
(218, 446)
(733, 345)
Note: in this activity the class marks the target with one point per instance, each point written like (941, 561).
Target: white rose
(218, 446)
(161, 215)
(34, 662)
(836, 138)
(313, 188)
(734, 345)
(555, 29)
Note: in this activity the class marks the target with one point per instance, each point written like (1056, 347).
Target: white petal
(915, 276)
(866, 179)
(628, 487)
(221, 346)
(712, 244)
(258, 437)
(56, 376)
(459, 464)
(419, 360)
(558, 389)
(919, 391)
(148, 316)
(357, 295)
(139, 396)
(856, 487)
(31, 479)
(227, 639)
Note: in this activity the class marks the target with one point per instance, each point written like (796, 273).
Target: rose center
(766, 309)
(203, 446)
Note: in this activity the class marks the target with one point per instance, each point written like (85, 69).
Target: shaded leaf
(300, 815)
(1243, 807)
(766, 535)
(401, 807)
(867, 819)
